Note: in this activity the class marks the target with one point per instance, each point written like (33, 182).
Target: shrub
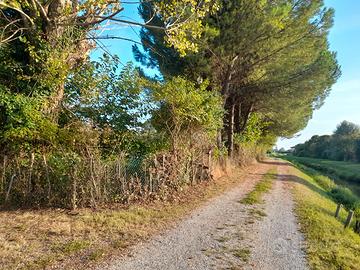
(344, 196)
(325, 182)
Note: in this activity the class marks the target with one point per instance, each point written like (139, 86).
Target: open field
(343, 173)
(329, 245)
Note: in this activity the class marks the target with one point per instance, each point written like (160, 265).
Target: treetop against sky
(342, 103)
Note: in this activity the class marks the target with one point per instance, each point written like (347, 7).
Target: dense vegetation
(342, 145)
(341, 190)
(235, 76)
(343, 173)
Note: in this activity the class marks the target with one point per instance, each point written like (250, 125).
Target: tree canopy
(342, 145)
(270, 58)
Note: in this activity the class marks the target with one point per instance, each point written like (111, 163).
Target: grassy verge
(329, 245)
(340, 194)
(344, 173)
(254, 197)
(39, 238)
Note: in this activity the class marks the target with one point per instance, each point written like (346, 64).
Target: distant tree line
(342, 145)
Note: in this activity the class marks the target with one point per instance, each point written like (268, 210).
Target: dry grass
(37, 239)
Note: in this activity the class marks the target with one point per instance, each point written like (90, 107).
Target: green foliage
(108, 96)
(325, 182)
(22, 122)
(186, 108)
(329, 246)
(346, 128)
(345, 196)
(261, 187)
(342, 145)
(275, 61)
(253, 131)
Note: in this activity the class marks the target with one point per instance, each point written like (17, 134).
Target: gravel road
(225, 234)
(278, 243)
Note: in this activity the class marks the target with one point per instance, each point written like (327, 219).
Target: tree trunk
(219, 139)
(55, 101)
(237, 117)
(245, 114)
(227, 78)
(231, 130)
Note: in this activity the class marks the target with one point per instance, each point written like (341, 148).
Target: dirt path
(278, 243)
(223, 233)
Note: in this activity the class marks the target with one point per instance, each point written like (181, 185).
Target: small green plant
(257, 213)
(242, 253)
(344, 196)
(261, 187)
(96, 254)
(74, 246)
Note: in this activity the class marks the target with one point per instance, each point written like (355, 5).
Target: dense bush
(344, 196)
(325, 182)
(87, 165)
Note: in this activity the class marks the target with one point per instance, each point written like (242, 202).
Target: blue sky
(344, 101)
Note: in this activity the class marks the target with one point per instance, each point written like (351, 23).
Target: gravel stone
(225, 234)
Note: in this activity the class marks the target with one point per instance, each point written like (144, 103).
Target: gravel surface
(196, 242)
(225, 234)
(278, 243)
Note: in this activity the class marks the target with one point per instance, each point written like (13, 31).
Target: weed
(242, 253)
(73, 246)
(223, 239)
(257, 213)
(265, 184)
(96, 254)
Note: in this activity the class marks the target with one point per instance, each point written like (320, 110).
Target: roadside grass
(242, 253)
(344, 173)
(340, 194)
(37, 239)
(329, 245)
(257, 213)
(264, 185)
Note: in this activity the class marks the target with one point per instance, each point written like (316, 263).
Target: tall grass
(339, 194)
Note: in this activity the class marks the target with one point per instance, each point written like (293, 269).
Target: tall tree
(269, 57)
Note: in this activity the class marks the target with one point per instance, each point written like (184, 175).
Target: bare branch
(42, 10)
(102, 18)
(23, 14)
(137, 24)
(115, 37)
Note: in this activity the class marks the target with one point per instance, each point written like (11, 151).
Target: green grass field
(329, 245)
(343, 173)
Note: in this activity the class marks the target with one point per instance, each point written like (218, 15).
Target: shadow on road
(290, 178)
